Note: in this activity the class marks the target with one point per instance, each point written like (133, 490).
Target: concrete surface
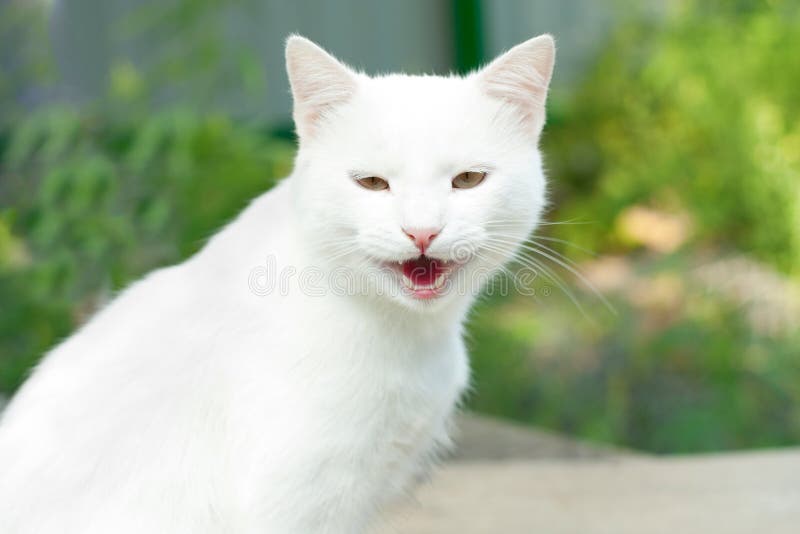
(486, 438)
(508, 479)
(604, 492)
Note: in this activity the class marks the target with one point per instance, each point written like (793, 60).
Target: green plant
(697, 112)
(686, 374)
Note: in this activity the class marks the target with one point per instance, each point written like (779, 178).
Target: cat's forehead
(400, 117)
(431, 99)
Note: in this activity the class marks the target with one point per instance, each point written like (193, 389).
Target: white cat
(300, 371)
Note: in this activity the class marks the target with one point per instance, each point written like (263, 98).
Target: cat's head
(422, 185)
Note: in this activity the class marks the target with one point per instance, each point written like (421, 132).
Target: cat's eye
(469, 179)
(373, 183)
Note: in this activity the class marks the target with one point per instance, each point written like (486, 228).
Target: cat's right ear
(319, 83)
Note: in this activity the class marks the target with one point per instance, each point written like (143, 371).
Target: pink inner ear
(521, 76)
(518, 83)
(319, 83)
(317, 97)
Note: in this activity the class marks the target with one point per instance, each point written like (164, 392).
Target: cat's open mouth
(423, 277)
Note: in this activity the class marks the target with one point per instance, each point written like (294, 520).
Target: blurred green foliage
(698, 112)
(692, 113)
(685, 373)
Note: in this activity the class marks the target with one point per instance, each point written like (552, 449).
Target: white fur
(195, 403)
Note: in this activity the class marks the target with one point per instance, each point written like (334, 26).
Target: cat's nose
(422, 237)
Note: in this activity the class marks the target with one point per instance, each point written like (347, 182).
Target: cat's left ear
(521, 77)
(319, 83)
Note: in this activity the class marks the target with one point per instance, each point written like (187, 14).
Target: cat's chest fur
(370, 402)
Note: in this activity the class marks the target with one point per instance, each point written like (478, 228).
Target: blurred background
(131, 130)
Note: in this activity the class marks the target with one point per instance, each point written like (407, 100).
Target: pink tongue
(422, 271)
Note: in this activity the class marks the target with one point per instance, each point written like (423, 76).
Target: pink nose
(422, 237)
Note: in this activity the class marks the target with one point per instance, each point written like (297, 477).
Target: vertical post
(468, 33)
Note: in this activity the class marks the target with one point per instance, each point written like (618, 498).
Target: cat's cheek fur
(226, 394)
